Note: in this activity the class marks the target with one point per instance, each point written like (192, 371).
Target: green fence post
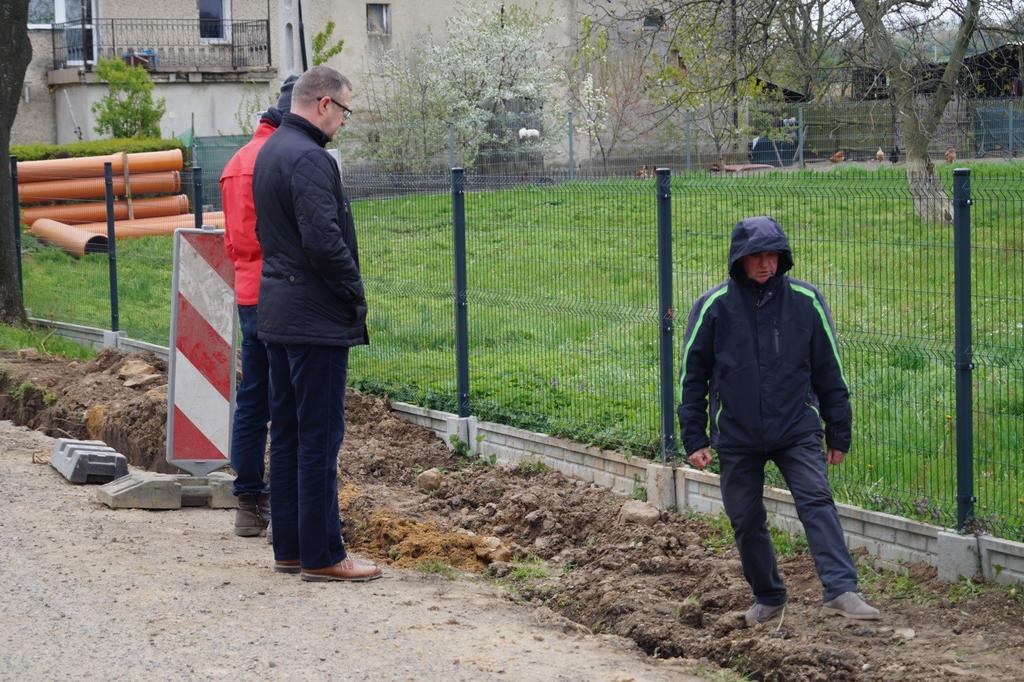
(197, 196)
(461, 295)
(963, 361)
(666, 315)
(108, 184)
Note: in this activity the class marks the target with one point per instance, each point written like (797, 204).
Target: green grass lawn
(564, 329)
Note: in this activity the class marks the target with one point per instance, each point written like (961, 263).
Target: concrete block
(880, 532)
(958, 556)
(87, 461)
(911, 540)
(168, 491)
(1002, 560)
(661, 485)
(111, 339)
(457, 427)
(473, 433)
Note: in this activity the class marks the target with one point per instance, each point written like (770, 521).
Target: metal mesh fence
(563, 296)
(563, 309)
(405, 247)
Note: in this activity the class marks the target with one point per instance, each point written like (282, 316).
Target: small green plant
(531, 467)
(128, 110)
(436, 567)
(21, 391)
(323, 49)
(529, 569)
(891, 584)
(721, 537)
(639, 490)
(459, 446)
(965, 589)
(788, 544)
(49, 398)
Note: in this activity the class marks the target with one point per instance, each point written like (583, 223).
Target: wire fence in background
(562, 296)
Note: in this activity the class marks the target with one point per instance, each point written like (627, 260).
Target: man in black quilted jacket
(761, 362)
(312, 309)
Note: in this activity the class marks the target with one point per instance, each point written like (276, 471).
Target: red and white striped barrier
(201, 367)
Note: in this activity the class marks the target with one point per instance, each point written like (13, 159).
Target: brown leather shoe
(287, 566)
(345, 570)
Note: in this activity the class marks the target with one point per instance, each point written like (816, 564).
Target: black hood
(754, 235)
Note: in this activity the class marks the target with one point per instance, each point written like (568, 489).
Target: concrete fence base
(892, 539)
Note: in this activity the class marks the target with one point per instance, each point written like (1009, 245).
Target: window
(44, 13)
(74, 17)
(653, 20)
(213, 24)
(41, 12)
(378, 19)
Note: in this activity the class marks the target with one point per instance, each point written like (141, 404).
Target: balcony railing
(164, 44)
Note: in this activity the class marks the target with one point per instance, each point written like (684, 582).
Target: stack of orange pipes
(75, 227)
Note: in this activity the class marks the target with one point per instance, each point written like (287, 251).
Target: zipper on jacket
(775, 329)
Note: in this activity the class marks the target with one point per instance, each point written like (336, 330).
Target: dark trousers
(252, 410)
(803, 466)
(307, 411)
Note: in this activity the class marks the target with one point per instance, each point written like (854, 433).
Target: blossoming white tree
(494, 72)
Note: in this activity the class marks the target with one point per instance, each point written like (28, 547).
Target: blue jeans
(307, 407)
(803, 466)
(252, 410)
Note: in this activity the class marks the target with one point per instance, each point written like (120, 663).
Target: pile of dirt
(675, 587)
(118, 398)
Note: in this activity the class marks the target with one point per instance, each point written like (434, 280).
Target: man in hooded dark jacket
(311, 310)
(762, 347)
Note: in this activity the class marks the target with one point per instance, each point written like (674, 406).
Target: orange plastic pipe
(91, 188)
(148, 227)
(97, 211)
(92, 166)
(74, 240)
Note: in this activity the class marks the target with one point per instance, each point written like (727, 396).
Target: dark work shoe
(253, 514)
(759, 613)
(850, 605)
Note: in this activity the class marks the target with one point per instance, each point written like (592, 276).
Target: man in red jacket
(252, 411)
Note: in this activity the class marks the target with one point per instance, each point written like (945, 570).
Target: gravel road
(94, 593)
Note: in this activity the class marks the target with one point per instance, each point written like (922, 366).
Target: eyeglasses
(347, 112)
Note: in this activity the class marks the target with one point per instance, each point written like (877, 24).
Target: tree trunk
(15, 54)
(930, 199)
(917, 128)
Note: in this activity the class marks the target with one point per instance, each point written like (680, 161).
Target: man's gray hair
(320, 81)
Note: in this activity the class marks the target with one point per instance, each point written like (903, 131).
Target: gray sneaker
(759, 613)
(850, 605)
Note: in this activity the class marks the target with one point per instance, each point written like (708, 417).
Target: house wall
(35, 121)
(212, 104)
(56, 103)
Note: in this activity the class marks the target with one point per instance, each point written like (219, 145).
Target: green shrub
(39, 152)
(129, 109)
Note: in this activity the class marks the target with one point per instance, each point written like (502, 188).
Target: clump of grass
(531, 467)
(435, 567)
